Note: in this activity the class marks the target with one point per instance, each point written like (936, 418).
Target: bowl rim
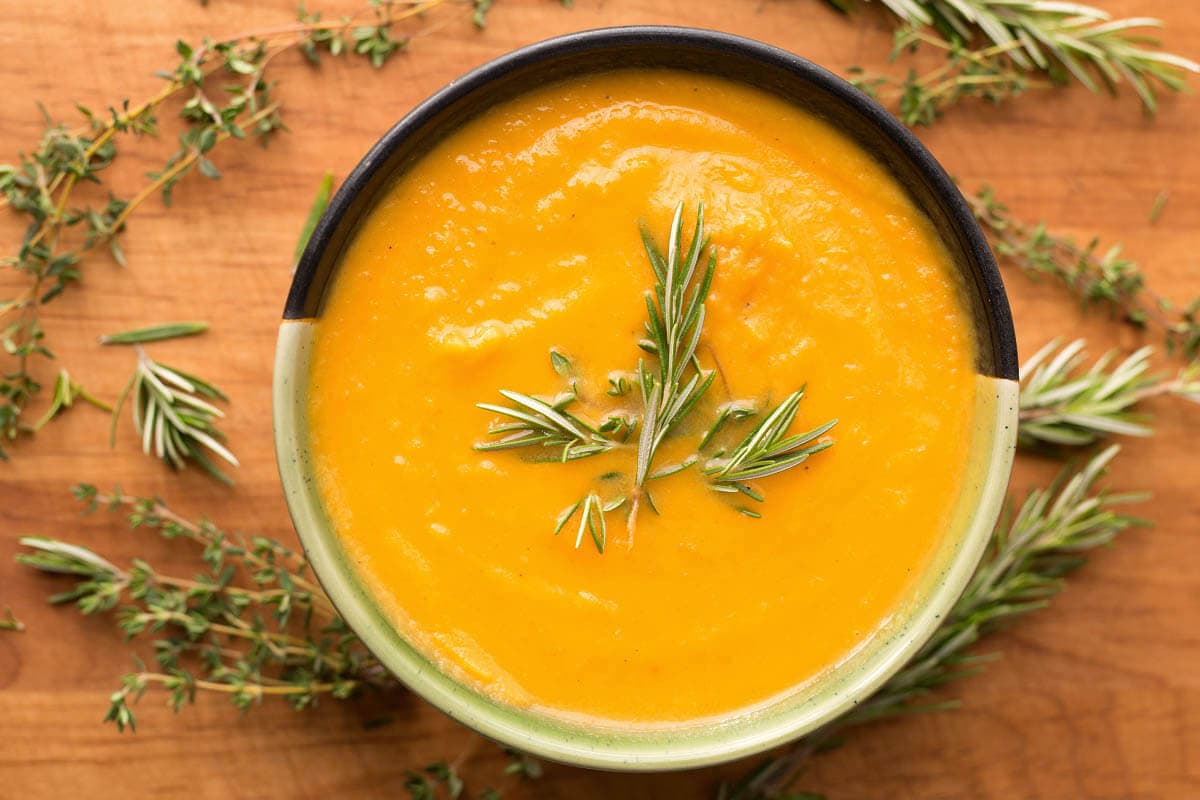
(515, 726)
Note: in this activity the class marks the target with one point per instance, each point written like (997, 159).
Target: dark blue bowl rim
(302, 300)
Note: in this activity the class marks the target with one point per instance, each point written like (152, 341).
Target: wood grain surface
(1096, 697)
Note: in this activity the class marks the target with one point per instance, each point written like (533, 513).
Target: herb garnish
(225, 96)
(536, 423)
(172, 414)
(1027, 560)
(997, 49)
(670, 390)
(1060, 405)
(766, 451)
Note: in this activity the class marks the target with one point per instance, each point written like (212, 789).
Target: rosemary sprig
(155, 333)
(591, 519)
(172, 414)
(669, 393)
(1062, 406)
(1057, 40)
(542, 424)
(1028, 557)
(1105, 278)
(224, 95)
(767, 450)
(675, 322)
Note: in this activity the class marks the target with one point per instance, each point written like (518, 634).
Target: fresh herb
(1062, 406)
(224, 95)
(561, 364)
(155, 333)
(591, 519)
(922, 98)
(996, 48)
(1160, 203)
(423, 784)
(1027, 560)
(172, 414)
(66, 392)
(320, 203)
(522, 765)
(541, 424)
(767, 450)
(10, 621)
(251, 626)
(670, 390)
(1105, 278)
(733, 411)
(675, 322)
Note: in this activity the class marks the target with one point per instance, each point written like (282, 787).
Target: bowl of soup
(645, 397)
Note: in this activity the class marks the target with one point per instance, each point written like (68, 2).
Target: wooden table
(1097, 697)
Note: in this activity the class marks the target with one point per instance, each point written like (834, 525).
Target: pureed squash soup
(519, 236)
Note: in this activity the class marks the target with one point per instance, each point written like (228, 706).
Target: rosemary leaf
(155, 333)
(591, 519)
(320, 203)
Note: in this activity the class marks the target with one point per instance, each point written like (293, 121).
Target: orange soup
(518, 235)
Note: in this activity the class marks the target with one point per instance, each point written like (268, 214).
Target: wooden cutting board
(1098, 696)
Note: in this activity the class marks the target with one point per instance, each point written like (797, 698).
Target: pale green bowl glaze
(991, 449)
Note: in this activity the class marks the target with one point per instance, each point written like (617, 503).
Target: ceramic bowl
(814, 90)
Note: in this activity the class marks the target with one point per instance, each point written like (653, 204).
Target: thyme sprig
(251, 625)
(922, 98)
(173, 415)
(997, 49)
(1060, 405)
(443, 779)
(223, 93)
(767, 450)
(1106, 278)
(1029, 555)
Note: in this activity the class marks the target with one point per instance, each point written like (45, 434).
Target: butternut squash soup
(699, 568)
